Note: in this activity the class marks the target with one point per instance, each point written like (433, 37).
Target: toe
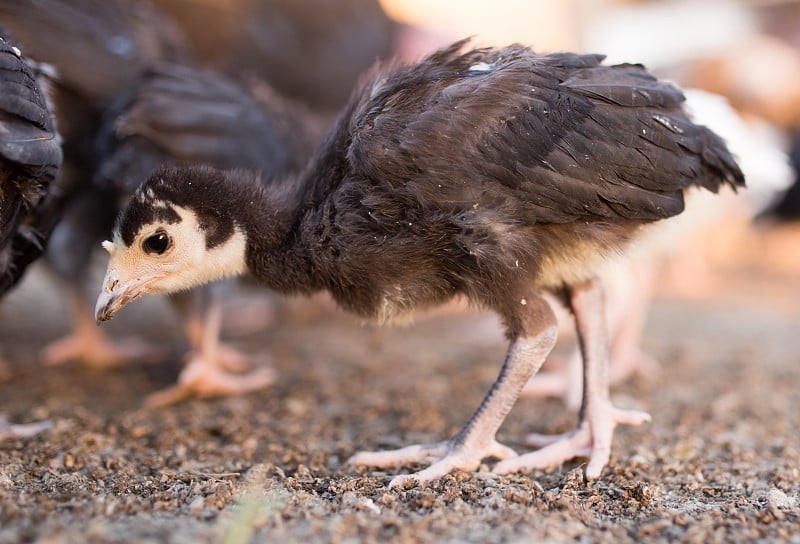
(434, 472)
(22, 430)
(630, 417)
(500, 451)
(418, 453)
(563, 449)
(194, 382)
(167, 397)
(541, 440)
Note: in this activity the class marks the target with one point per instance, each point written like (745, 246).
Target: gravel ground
(719, 463)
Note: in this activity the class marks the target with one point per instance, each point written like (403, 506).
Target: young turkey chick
(30, 156)
(183, 114)
(497, 174)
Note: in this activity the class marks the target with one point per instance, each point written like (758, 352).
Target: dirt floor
(719, 463)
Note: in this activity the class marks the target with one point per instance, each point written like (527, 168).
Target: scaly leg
(88, 345)
(208, 370)
(629, 297)
(476, 440)
(598, 417)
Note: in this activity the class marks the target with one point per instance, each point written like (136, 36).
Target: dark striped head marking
(173, 235)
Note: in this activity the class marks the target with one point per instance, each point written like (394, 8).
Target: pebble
(778, 499)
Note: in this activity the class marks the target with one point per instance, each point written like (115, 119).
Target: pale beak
(118, 293)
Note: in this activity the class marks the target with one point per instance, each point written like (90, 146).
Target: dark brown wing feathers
(562, 134)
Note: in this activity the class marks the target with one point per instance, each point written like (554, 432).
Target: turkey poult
(30, 157)
(497, 174)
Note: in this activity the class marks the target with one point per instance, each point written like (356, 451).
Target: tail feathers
(723, 167)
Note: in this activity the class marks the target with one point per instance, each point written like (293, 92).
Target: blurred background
(254, 83)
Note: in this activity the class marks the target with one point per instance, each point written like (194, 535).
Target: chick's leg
(88, 345)
(629, 296)
(476, 440)
(598, 417)
(210, 370)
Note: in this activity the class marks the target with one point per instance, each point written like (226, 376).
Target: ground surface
(719, 463)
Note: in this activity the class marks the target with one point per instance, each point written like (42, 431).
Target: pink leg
(598, 418)
(629, 298)
(208, 370)
(88, 345)
(476, 440)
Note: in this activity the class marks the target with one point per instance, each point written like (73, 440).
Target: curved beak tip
(105, 310)
(117, 294)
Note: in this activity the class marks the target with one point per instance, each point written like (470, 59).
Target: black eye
(157, 243)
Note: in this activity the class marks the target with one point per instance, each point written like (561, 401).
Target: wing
(554, 138)
(181, 113)
(30, 156)
(27, 134)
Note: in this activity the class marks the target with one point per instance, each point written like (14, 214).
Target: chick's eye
(157, 243)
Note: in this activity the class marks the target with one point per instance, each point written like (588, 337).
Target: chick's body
(491, 172)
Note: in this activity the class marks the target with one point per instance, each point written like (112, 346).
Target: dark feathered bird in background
(98, 47)
(184, 113)
(497, 174)
(30, 157)
(310, 50)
